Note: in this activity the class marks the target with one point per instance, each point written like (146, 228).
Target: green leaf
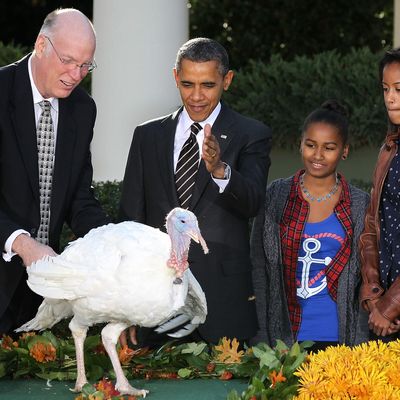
(3, 369)
(267, 358)
(184, 372)
(95, 372)
(306, 344)
(32, 340)
(92, 342)
(53, 340)
(22, 372)
(57, 375)
(281, 346)
(21, 351)
(295, 350)
(88, 389)
(233, 395)
(195, 348)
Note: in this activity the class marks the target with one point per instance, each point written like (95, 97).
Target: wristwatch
(227, 171)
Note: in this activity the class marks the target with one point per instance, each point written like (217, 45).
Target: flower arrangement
(368, 371)
(275, 378)
(49, 357)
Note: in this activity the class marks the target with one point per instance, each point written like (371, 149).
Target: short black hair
(203, 50)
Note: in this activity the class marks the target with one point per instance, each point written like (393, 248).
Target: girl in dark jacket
(304, 245)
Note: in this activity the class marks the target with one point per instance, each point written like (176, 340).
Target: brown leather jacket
(388, 302)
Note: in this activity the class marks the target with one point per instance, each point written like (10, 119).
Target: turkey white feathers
(123, 274)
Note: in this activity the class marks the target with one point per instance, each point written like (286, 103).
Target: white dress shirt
(183, 131)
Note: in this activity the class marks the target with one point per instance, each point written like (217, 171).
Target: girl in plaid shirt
(304, 244)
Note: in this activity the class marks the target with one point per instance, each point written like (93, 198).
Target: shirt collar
(37, 97)
(187, 121)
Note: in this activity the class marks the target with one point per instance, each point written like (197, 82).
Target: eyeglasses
(87, 67)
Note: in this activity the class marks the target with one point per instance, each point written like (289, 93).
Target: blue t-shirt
(319, 245)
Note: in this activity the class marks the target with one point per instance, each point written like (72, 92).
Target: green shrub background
(282, 93)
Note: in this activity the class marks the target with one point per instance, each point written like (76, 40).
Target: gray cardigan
(268, 278)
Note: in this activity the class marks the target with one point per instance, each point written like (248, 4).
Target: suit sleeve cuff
(223, 183)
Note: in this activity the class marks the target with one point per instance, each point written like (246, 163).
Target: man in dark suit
(31, 214)
(230, 181)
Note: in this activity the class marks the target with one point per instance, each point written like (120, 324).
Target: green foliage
(108, 193)
(10, 53)
(274, 380)
(256, 29)
(282, 93)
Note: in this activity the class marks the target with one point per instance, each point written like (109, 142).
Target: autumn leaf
(125, 355)
(228, 351)
(107, 387)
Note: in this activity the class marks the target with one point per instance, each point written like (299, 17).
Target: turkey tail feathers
(172, 323)
(49, 313)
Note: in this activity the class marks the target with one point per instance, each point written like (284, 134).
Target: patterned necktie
(45, 145)
(186, 168)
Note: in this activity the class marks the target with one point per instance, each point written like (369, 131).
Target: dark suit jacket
(72, 197)
(149, 193)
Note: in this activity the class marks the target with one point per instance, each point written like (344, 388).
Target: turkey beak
(196, 236)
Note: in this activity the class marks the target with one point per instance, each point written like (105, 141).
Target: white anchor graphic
(304, 291)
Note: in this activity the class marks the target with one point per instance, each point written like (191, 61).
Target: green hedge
(108, 193)
(282, 93)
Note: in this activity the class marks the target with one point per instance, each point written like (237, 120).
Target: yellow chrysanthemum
(368, 371)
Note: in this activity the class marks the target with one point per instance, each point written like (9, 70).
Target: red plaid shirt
(294, 218)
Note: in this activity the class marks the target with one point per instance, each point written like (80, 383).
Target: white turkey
(123, 274)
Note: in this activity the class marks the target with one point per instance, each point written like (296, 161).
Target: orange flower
(275, 378)
(125, 355)
(25, 335)
(106, 387)
(43, 352)
(229, 353)
(226, 375)
(7, 343)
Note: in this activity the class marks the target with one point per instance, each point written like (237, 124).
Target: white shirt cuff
(223, 183)
(8, 254)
